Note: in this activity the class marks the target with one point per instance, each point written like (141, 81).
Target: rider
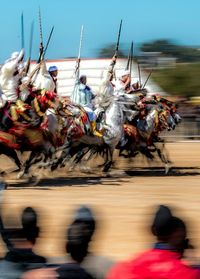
(83, 96)
(42, 78)
(53, 71)
(10, 75)
(123, 83)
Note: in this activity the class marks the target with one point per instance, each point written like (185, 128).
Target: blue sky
(143, 20)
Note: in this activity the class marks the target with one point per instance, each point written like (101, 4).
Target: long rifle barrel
(31, 39)
(147, 79)
(118, 39)
(131, 59)
(41, 38)
(50, 35)
(22, 30)
(128, 60)
(139, 74)
(80, 44)
(79, 53)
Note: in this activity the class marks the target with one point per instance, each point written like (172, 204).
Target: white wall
(94, 69)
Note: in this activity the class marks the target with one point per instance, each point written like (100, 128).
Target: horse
(143, 137)
(25, 133)
(114, 117)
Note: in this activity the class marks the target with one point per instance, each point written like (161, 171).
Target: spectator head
(85, 215)
(80, 233)
(78, 237)
(170, 229)
(29, 224)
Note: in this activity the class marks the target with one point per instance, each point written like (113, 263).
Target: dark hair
(29, 224)
(165, 223)
(78, 238)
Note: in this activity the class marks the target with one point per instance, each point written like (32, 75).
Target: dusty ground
(122, 201)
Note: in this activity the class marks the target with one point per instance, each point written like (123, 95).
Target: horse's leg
(163, 158)
(109, 161)
(81, 154)
(105, 154)
(11, 153)
(61, 160)
(27, 164)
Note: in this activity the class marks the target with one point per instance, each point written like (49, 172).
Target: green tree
(168, 48)
(183, 80)
(109, 50)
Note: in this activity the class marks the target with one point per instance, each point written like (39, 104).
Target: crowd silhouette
(165, 259)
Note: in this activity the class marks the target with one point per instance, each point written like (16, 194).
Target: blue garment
(82, 95)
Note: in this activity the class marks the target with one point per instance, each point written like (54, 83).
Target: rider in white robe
(83, 96)
(10, 75)
(43, 80)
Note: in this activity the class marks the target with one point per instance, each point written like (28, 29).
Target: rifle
(131, 60)
(118, 39)
(128, 59)
(139, 74)
(113, 62)
(147, 78)
(37, 68)
(41, 38)
(76, 74)
(30, 49)
(22, 30)
(50, 35)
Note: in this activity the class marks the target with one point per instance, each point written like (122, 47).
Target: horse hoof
(54, 167)
(107, 167)
(167, 168)
(34, 180)
(21, 174)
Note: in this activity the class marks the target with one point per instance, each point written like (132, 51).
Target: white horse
(115, 114)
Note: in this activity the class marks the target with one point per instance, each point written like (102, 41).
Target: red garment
(154, 264)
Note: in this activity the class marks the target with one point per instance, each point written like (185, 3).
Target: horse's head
(166, 120)
(177, 118)
(175, 114)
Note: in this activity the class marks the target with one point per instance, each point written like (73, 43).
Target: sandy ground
(123, 201)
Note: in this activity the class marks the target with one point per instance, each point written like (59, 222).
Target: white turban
(124, 73)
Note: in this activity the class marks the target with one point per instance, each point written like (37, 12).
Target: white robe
(8, 82)
(43, 80)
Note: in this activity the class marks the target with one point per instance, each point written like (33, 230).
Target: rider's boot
(94, 130)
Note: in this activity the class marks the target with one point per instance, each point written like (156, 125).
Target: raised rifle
(41, 38)
(113, 61)
(128, 59)
(147, 79)
(30, 48)
(76, 72)
(22, 30)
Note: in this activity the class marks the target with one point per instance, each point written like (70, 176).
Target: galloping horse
(112, 132)
(143, 134)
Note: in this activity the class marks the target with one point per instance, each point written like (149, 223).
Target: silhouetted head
(170, 229)
(85, 215)
(78, 238)
(29, 224)
(80, 232)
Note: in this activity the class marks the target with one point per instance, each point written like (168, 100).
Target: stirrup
(97, 134)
